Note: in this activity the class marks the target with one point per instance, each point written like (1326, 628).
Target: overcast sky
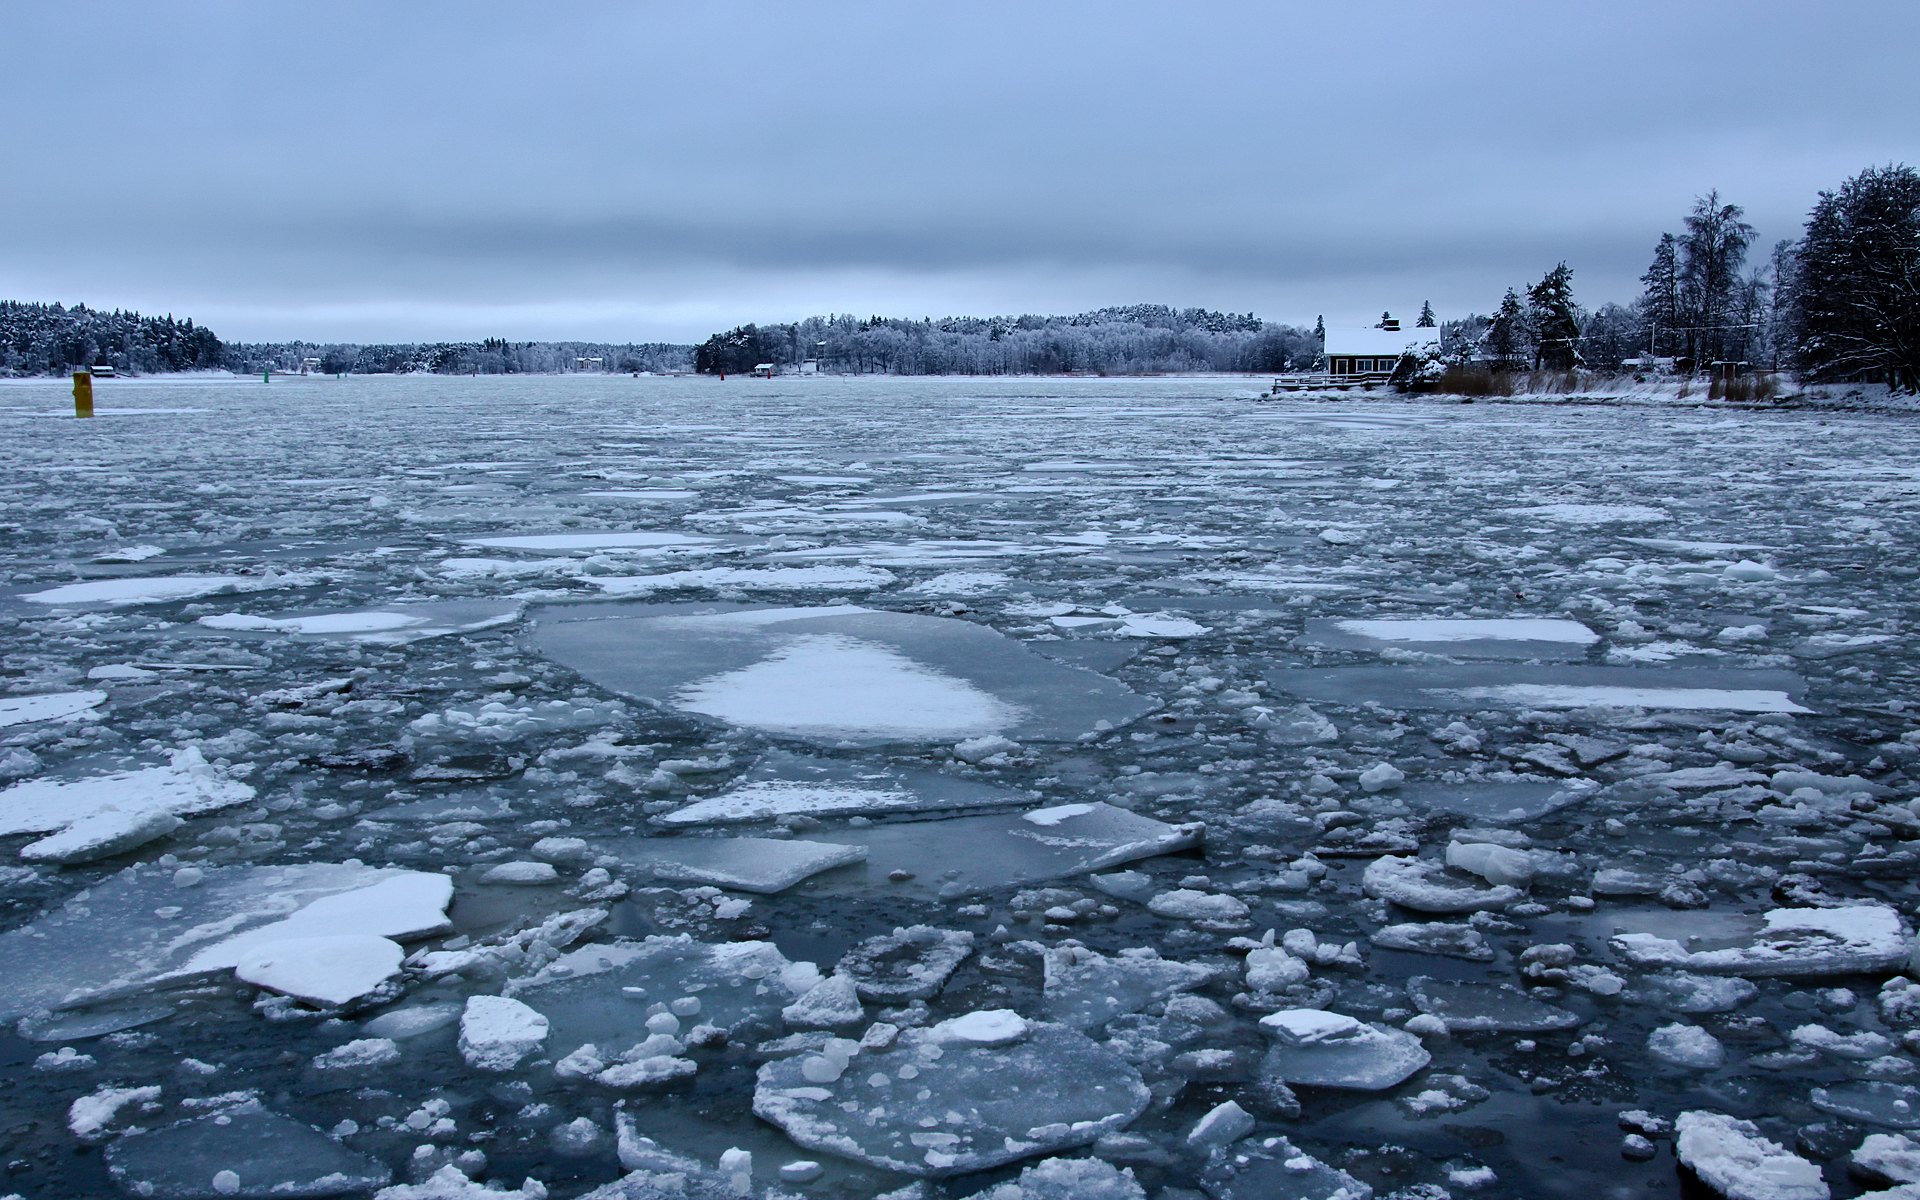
(637, 171)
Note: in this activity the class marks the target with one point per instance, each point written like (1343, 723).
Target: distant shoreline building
(1377, 352)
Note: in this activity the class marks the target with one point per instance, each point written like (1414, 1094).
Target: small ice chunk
(402, 1023)
(1792, 943)
(496, 1033)
(911, 963)
(1734, 1160)
(1484, 1006)
(1687, 1046)
(1324, 1049)
(521, 874)
(1888, 1157)
(1495, 864)
(1381, 777)
(363, 1052)
(763, 866)
(831, 1003)
(1223, 1125)
(1272, 969)
(973, 750)
(1187, 904)
(89, 1116)
(1085, 989)
(985, 1027)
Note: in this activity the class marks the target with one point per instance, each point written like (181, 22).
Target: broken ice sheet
(746, 864)
(51, 706)
(1504, 803)
(1478, 1007)
(394, 625)
(1505, 637)
(1785, 943)
(186, 785)
(1468, 688)
(114, 593)
(938, 1102)
(843, 675)
(783, 785)
(603, 994)
(149, 926)
(245, 1151)
(1084, 990)
(1316, 1048)
(971, 854)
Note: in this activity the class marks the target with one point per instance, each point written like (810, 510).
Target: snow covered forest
(494, 356)
(1137, 339)
(49, 339)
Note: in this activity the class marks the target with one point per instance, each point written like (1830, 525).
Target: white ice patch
(827, 685)
(408, 905)
(586, 541)
(184, 786)
(1543, 695)
(1593, 514)
(23, 710)
(324, 970)
(361, 622)
(153, 591)
(1527, 629)
(773, 579)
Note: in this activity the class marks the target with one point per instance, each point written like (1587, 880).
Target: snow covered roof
(1377, 342)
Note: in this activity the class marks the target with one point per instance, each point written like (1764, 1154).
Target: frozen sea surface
(830, 787)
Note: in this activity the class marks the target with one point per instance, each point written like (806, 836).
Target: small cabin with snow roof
(1376, 351)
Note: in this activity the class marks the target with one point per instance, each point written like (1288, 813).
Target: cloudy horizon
(635, 173)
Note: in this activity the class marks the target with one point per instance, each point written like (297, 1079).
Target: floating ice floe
(1316, 1048)
(843, 674)
(244, 1151)
(951, 1099)
(1787, 943)
(1594, 514)
(1479, 1007)
(1435, 937)
(1069, 1179)
(149, 927)
(108, 814)
(1137, 625)
(969, 854)
(1735, 1161)
(747, 864)
(327, 970)
(1508, 637)
(49, 706)
(1467, 688)
(762, 579)
(1275, 1167)
(604, 994)
(159, 589)
(1084, 990)
(911, 963)
(786, 785)
(1426, 886)
(1889, 1105)
(393, 626)
(497, 1032)
(587, 541)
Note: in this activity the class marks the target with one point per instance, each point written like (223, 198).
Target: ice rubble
(1469, 688)
(843, 675)
(939, 1102)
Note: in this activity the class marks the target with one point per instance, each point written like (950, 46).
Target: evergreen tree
(1855, 291)
(1661, 302)
(1385, 319)
(1426, 320)
(1507, 332)
(1554, 320)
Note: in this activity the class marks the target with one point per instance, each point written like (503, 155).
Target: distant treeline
(1138, 339)
(50, 339)
(494, 356)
